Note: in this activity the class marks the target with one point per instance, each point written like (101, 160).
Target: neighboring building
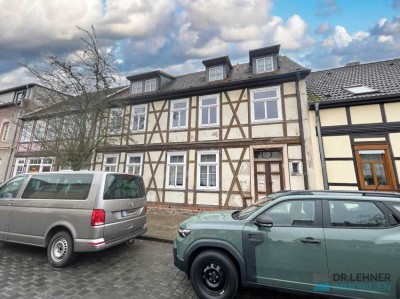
(359, 111)
(14, 102)
(222, 137)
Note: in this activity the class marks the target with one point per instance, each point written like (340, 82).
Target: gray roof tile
(328, 85)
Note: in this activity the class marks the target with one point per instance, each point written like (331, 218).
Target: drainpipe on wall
(302, 140)
(321, 147)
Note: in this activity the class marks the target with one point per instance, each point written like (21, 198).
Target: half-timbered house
(355, 115)
(221, 137)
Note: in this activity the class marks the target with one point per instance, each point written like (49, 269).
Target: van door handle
(310, 240)
(11, 203)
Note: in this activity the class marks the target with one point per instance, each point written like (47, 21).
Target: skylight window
(360, 89)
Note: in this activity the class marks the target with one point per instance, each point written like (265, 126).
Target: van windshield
(123, 186)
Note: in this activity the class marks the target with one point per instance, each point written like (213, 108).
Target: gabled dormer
(264, 60)
(148, 82)
(217, 68)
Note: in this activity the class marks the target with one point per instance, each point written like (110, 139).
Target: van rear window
(58, 186)
(120, 186)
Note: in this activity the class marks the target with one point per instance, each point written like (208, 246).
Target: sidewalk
(162, 227)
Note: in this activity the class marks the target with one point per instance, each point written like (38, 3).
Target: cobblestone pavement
(143, 270)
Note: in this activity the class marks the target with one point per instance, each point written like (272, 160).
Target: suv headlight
(183, 232)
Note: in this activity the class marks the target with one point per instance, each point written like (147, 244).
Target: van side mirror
(264, 221)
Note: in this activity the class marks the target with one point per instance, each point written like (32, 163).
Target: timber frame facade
(223, 137)
(355, 111)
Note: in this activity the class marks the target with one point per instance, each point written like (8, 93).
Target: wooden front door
(268, 177)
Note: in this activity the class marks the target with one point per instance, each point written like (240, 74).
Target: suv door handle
(310, 240)
(11, 203)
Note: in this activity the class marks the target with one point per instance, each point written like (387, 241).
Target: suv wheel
(60, 250)
(214, 275)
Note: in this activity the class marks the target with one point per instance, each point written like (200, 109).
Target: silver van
(70, 212)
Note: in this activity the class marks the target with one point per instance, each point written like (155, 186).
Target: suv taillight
(145, 208)
(98, 217)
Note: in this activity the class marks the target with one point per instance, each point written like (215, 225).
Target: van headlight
(184, 232)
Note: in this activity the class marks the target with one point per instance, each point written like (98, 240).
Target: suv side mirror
(264, 221)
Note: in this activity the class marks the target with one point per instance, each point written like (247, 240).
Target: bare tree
(80, 114)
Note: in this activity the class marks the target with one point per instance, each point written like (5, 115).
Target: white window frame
(216, 164)
(278, 98)
(174, 164)
(214, 74)
(262, 63)
(133, 117)
(136, 87)
(19, 162)
(150, 85)
(110, 164)
(26, 133)
(203, 107)
(134, 164)
(41, 164)
(20, 95)
(186, 101)
(5, 129)
(113, 112)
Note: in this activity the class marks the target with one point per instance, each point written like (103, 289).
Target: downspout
(12, 148)
(321, 147)
(301, 128)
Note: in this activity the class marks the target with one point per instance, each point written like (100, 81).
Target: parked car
(70, 212)
(345, 244)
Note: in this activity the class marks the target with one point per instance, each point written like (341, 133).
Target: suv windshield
(256, 206)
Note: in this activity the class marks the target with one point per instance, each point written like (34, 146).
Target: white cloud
(385, 39)
(57, 20)
(341, 38)
(292, 34)
(15, 77)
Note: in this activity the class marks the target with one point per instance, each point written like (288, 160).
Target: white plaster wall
(235, 133)
(227, 115)
(291, 108)
(395, 142)
(175, 196)
(178, 136)
(136, 139)
(350, 188)
(207, 198)
(341, 172)
(205, 135)
(333, 117)
(392, 111)
(294, 152)
(268, 130)
(365, 114)
(337, 147)
(289, 88)
(293, 129)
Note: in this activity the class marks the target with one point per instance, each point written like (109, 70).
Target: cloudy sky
(176, 35)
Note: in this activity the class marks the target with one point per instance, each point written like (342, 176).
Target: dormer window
(150, 85)
(264, 64)
(217, 68)
(137, 87)
(19, 96)
(264, 60)
(216, 73)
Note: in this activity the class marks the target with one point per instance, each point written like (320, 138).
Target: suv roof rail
(344, 192)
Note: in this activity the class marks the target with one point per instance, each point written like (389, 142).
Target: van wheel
(214, 275)
(60, 250)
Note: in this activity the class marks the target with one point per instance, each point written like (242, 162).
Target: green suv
(344, 244)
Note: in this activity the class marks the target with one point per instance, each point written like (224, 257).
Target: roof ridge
(357, 65)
